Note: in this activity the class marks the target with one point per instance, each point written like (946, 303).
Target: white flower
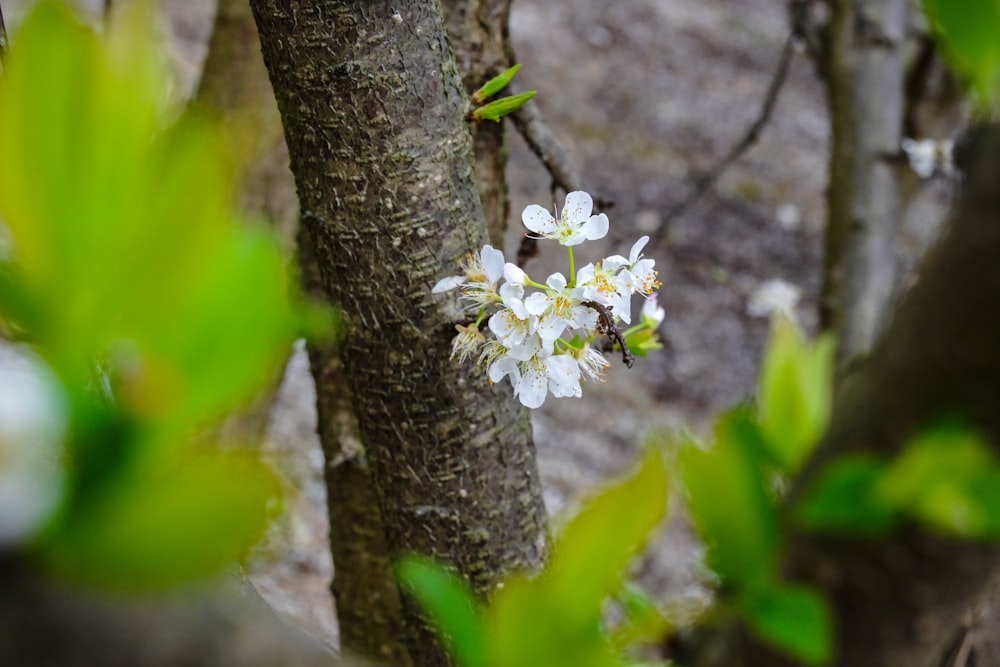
(592, 363)
(603, 285)
(559, 308)
(33, 415)
(774, 296)
(513, 274)
(652, 314)
(467, 342)
(929, 155)
(640, 276)
(512, 323)
(574, 226)
(479, 281)
(541, 373)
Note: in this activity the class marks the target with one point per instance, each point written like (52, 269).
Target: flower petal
(577, 207)
(564, 376)
(537, 303)
(556, 281)
(492, 260)
(595, 228)
(513, 274)
(538, 220)
(634, 253)
(447, 284)
(533, 387)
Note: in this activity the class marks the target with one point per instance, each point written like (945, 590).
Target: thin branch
(707, 180)
(606, 325)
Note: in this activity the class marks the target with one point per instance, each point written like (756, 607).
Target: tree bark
(375, 117)
(235, 83)
(863, 68)
(902, 600)
(478, 30)
(369, 611)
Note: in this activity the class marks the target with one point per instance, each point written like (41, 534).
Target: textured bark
(478, 30)
(235, 83)
(902, 600)
(369, 611)
(864, 71)
(374, 114)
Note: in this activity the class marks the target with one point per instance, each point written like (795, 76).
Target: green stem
(633, 329)
(572, 267)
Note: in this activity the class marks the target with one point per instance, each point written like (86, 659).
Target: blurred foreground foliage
(946, 478)
(147, 308)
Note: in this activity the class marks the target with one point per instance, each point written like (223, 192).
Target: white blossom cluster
(543, 340)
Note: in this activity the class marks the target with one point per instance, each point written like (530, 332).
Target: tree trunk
(375, 117)
(863, 67)
(369, 611)
(235, 83)
(478, 30)
(901, 600)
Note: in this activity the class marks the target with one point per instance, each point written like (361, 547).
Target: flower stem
(572, 267)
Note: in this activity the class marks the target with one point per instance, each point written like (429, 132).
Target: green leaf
(845, 499)
(502, 107)
(967, 32)
(644, 341)
(938, 477)
(163, 525)
(795, 619)
(730, 503)
(795, 396)
(591, 552)
(495, 85)
(452, 608)
(554, 619)
(644, 620)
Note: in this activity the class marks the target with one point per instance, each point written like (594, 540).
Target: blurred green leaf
(845, 499)
(730, 503)
(452, 608)
(938, 478)
(795, 619)
(795, 395)
(502, 107)
(643, 619)
(495, 85)
(138, 256)
(163, 525)
(644, 341)
(554, 619)
(967, 32)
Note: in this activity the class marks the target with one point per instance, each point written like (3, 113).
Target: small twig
(606, 325)
(707, 180)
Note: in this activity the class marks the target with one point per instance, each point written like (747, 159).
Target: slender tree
(862, 62)
(374, 113)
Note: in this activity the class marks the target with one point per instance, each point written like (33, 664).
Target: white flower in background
(652, 314)
(32, 424)
(928, 156)
(573, 226)
(774, 296)
(481, 274)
